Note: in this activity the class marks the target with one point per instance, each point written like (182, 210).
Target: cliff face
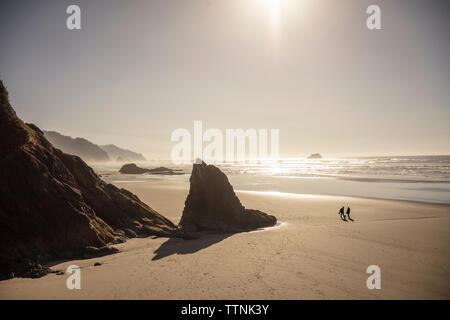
(54, 206)
(212, 205)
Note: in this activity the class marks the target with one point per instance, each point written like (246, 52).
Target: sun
(273, 3)
(274, 9)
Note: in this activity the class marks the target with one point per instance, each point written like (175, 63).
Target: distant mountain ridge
(90, 151)
(81, 147)
(120, 154)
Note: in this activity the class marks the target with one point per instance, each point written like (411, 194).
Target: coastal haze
(138, 70)
(363, 123)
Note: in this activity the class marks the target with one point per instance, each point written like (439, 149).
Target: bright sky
(137, 70)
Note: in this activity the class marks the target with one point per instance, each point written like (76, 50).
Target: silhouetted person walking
(341, 213)
(348, 214)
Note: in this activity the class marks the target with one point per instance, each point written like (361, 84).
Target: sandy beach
(311, 254)
(225, 150)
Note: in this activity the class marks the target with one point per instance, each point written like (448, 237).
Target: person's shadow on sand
(183, 246)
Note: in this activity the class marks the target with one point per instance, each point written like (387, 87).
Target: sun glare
(274, 11)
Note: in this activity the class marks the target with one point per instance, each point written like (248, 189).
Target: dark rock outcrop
(54, 206)
(315, 156)
(212, 205)
(131, 168)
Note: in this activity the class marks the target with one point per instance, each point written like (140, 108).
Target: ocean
(412, 178)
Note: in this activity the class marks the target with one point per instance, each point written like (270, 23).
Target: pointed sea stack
(54, 206)
(212, 205)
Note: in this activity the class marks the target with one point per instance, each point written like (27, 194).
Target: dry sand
(312, 255)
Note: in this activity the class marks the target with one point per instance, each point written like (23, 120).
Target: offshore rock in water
(315, 156)
(212, 205)
(131, 168)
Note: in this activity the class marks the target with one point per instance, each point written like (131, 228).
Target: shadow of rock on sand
(212, 212)
(183, 246)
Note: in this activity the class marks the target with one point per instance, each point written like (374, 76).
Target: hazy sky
(137, 70)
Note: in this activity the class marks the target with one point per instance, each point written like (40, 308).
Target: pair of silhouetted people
(342, 214)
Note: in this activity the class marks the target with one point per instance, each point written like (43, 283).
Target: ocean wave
(380, 169)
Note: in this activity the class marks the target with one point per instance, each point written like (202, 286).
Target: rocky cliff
(54, 206)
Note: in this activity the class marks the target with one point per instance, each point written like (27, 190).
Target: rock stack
(213, 206)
